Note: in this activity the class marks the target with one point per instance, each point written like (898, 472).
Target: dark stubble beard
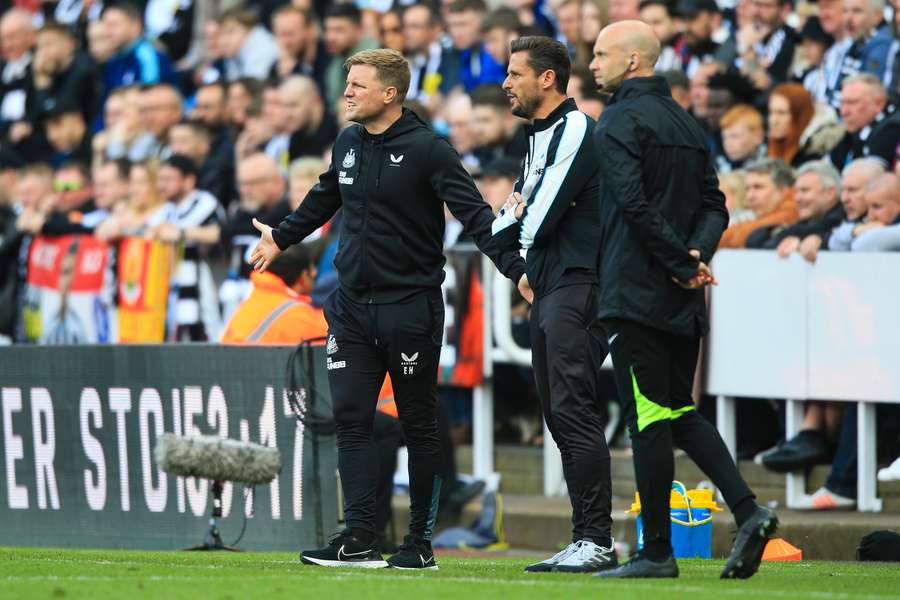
(526, 108)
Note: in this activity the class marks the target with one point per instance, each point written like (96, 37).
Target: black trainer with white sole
(344, 550)
(415, 553)
(641, 567)
(750, 543)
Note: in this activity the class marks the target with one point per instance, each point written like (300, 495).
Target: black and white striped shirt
(559, 230)
(196, 301)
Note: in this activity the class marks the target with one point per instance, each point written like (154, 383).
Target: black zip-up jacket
(392, 188)
(660, 198)
(560, 182)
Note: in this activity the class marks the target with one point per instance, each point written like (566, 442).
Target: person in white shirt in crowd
(195, 223)
(855, 178)
(881, 231)
(159, 107)
(429, 62)
(248, 47)
(17, 36)
(864, 50)
(660, 15)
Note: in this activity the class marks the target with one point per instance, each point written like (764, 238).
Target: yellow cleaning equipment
(691, 514)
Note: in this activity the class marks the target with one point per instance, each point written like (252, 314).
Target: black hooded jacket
(392, 188)
(660, 198)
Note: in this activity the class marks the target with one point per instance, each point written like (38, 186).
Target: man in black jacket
(391, 175)
(663, 216)
(554, 214)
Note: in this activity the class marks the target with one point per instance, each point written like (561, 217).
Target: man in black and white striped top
(554, 216)
(195, 222)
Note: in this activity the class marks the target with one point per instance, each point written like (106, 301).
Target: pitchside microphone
(216, 458)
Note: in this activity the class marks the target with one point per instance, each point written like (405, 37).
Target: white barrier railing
(780, 329)
(498, 329)
(783, 328)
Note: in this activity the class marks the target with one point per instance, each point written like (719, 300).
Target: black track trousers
(365, 341)
(567, 355)
(654, 373)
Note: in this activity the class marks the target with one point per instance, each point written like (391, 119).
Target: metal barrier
(783, 328)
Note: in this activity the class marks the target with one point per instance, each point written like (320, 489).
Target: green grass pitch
(45, 573)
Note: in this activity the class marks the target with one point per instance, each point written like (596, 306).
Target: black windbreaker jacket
(660, 198)
(392, 188)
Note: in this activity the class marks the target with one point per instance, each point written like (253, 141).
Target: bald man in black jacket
(662, 216)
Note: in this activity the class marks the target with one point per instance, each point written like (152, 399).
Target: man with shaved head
(662, 215)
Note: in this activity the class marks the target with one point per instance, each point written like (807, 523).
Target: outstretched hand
(266, 250)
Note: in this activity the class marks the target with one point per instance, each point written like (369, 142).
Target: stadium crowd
(182, 122)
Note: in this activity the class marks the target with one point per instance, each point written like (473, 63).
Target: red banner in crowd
(67, 295)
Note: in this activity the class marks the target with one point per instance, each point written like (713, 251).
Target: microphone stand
(212, 541)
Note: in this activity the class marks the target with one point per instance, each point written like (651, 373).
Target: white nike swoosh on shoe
(341, 553)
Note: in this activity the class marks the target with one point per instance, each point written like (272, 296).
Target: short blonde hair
(391, 69)
(308, 167)
(736, 183)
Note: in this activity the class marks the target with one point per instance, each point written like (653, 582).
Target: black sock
(743, 510)
(603, 542)
(657, 550)
(367, 538)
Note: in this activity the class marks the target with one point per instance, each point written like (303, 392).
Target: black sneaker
(344, 550)
(805, 449)
(750, 543)
(415, 553)
(641, 567)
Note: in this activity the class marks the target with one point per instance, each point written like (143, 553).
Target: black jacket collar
(407, 122)
(640, 86)
(567, 105)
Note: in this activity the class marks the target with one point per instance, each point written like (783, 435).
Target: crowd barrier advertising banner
(79, 425)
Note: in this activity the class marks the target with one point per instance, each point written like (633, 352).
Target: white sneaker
(588, 557)
(545, 566)
(891, 473)
(824, 499)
